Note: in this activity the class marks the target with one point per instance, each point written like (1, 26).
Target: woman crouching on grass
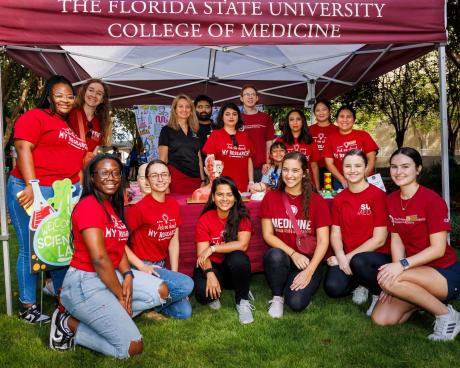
(222, 235)
(358, 235)
(425, 272)
(100, 292)
(295, 223)
(154, 222)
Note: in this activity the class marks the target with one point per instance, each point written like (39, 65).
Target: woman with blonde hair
(90, 117)
(179, 147)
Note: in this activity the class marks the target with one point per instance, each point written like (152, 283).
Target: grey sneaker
(61, 338)
(215, 304)
(375, 299)
(276, 307)
(360, 295)
(447, 326)
(33, 315)
(245, 311)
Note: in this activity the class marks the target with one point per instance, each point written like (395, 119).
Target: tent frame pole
(444, 126)
(4, 236)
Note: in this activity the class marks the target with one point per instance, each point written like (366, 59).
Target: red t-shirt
(320, 135)
(272, 208)
(89, 213)
(337, 145)
(152, 225)
(96, 132)
(309, 150)
(235, 159)
(425, 213)
(210, 228)
(259, 128)
(58, 152)
(358, 214)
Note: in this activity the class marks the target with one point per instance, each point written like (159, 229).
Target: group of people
(126, 261)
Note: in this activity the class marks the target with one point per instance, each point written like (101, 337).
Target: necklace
(407, 200)
(293, 196)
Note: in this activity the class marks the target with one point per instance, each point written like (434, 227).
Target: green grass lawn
(330, 333)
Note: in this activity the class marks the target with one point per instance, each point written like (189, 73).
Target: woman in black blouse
(179, 147)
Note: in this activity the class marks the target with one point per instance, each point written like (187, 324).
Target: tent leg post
(444, 128)
(3, 222)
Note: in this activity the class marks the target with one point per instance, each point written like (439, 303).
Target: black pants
(364, 266)
(280, 271)
(233, 273)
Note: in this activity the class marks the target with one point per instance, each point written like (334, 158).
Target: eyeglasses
(249, 94)
(64, 97)
(89, 133)
(105, 174)
(155, 176)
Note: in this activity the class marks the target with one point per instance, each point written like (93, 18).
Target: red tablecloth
(190, 214)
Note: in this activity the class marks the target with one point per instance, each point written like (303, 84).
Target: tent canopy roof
(336, 45)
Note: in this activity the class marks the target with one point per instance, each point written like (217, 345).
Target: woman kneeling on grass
(154, 222)
(100, 291)
(295, 223)
(222, 235)
(358, 235)
(425, 272)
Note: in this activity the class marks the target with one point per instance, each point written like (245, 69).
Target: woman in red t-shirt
(100, 292)
(48, 151)
(425, 272)
(347, 138)
(90, 116)
(296, 137)
(320, 131)
(222, 237)
(233, 147)
(358, 235)
(293, 265)
(154, 222)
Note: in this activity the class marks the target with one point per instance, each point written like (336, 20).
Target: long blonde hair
(102, 110)
(192, 120)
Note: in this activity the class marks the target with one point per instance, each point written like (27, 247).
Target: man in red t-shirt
(259, 127)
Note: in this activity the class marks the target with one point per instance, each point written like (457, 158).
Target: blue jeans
(180, 287)
(105, 326)
(27, 281)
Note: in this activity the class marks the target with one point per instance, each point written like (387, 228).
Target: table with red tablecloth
(190, 214)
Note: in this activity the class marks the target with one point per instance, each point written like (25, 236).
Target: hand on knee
(163, 291)
(135, 348)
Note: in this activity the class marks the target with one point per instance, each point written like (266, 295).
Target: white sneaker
(245, 311)
(276, 307)
(215, 304)
(375, 299)
(360, 295)
(447, 326)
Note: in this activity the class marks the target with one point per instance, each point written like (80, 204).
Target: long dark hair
(102, 110)
(46, 100)
(237, 212)
(304, 137)
(220, 117)
(89, 188)
(307, 187)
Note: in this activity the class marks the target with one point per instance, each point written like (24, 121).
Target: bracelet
(130, 272)
(206, 271)
(294, 251)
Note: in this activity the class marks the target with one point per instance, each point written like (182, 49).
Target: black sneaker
(33, 315)
(61, 338)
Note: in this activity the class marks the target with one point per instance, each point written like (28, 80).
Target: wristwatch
(213, 248)
(405, 263)
(206, 271)
(130, 272)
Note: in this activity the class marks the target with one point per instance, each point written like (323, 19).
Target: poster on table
(50, 227)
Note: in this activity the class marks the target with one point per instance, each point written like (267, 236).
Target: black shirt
(182, 150)
(203, 133)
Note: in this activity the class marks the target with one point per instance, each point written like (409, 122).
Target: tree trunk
(400, 137)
